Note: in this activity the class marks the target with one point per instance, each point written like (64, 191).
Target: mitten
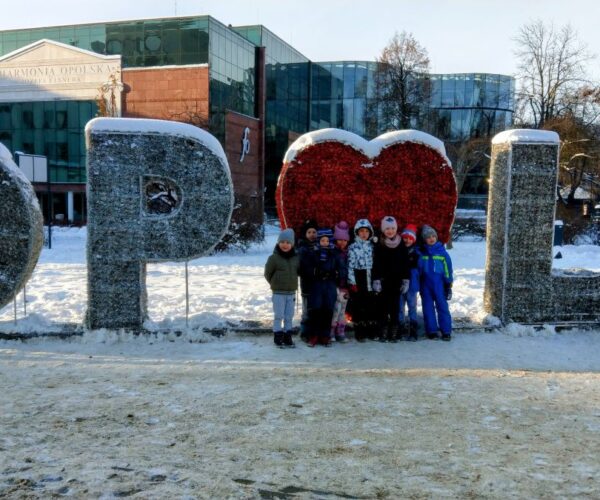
(405, 285)
(353, 288)
(449, 292)
(377, 286)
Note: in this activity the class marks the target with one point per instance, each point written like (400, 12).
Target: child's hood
(360, 223)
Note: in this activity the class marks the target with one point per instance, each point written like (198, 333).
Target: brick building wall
(178, 93)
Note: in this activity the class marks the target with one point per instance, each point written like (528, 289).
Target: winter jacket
(435, 265)
(305, 247)
(412, 254)
(360, 258)
(325, 268)
(342, 256)
(390, 266)
(281, 271)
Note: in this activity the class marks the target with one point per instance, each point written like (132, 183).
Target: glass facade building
(287, 74)
(300, 95)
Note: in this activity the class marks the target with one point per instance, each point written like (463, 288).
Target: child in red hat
(409, 298)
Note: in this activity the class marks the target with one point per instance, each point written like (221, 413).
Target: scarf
(392, 243)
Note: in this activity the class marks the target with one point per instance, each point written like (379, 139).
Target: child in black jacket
(391, 278)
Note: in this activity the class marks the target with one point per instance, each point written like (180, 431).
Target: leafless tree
(579, 154)
(552, 67)
(401, 69)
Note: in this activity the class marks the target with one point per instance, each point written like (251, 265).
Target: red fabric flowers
(331, 181)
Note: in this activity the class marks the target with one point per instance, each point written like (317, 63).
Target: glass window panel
(360, 86)
(479, 90)
(349, 80)
(448, 87)
(5, 122)
(359, 116)
(436, 91)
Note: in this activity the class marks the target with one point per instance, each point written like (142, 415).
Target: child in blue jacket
(326, 270)
(435, 270)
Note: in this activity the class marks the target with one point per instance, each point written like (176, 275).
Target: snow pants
(283, 311)
(436, 312)
(389, 305)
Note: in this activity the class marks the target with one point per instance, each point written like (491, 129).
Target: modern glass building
(227, 79)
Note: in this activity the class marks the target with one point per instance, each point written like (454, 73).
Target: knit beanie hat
(308, 224)
(341, 231)
(410, 231)
(388, 222)
(427, 231)
(286, 235)
(324, 232)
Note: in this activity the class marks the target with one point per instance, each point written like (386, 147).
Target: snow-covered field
(513, 413)
(223, 287)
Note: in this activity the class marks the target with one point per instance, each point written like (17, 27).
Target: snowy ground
(514, 413)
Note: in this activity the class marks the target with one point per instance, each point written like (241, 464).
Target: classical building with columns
(248, 87)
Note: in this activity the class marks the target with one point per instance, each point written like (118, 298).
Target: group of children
(372, 279)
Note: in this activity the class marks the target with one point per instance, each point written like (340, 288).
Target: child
(281, 271)
(435, 270)
(409, 238)
(390, 277)
(360, 264)
(341, 236)
(308, 243)
(324, 266)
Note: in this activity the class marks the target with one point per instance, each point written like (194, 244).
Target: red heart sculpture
(332, 175)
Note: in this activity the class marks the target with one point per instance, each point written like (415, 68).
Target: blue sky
(460, 35)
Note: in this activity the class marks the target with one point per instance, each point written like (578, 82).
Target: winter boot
(340, 333)
(287, 339)
(332, 332)
(413, 331)
(432, 335)
(359, 331)
(392, 334)
(313, 341)
(402, 332)
(383, 330)
(278, 338)
(446, 337)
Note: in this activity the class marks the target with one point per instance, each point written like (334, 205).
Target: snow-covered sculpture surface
(157, 191)
(520, 284)
(21, 228)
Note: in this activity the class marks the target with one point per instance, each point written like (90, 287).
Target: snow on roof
(369, 148)
(143, 125)
(526, 135)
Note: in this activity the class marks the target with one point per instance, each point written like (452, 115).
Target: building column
(70, 207)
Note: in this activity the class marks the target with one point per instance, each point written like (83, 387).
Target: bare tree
(551, 69)
(401, 69)
(467, 156)
(578, 154)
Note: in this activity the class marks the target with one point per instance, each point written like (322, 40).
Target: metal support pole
(25, 300)
(15, 306)
(187, 296)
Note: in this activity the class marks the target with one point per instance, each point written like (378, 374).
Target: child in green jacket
(281, 271)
